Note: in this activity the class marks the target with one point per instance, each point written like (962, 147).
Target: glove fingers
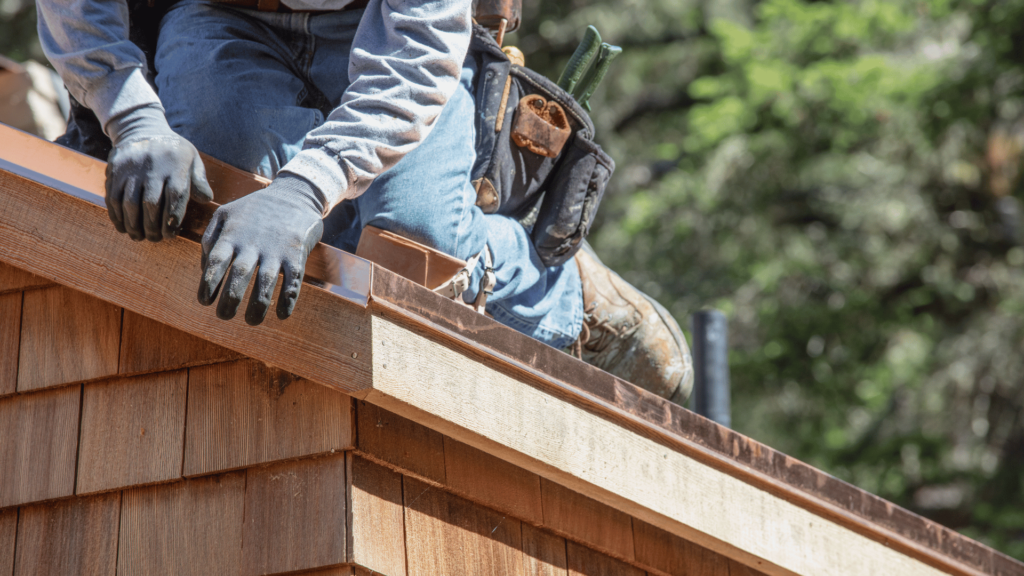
(201, 191)
(235, 283)
(131, 206)
(212, 234)
(262, 292)
(290, 288)
(216, 259)
(153, 209)
(293, 271)
(114, 197)
(175, 203)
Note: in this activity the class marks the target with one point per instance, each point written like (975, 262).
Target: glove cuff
(297, 188)
(137, 124)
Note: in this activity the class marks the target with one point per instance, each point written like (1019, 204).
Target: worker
(363, 107)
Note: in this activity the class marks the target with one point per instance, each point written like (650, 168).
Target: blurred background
(842, 179)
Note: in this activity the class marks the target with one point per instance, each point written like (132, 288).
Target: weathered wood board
(669, 553)
(77, 536)
(484, 478)
(8, 533)
(244, 413)
(401, 442)
(38, 445)
(338, 571)
(591, 521)
(377, 536)
(543, 553)
(132, 431)
(149, 346)
(448, 535)
(189, 528)
(15, 279)
(295, 516)
(66, 336)
(10, 337)
(586, 562)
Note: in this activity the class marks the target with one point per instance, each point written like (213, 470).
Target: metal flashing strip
(343, 274)
(51, 182)
(30, 157)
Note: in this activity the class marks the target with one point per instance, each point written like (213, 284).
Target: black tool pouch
(555, 196)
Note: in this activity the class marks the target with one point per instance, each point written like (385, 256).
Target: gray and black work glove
(151, 173)
(274, 230)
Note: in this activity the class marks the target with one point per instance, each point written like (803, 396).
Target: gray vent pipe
(711, 366)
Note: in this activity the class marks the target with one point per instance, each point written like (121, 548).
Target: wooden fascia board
(83, 177)
(682, 430)
(70, 241)
(592, 446)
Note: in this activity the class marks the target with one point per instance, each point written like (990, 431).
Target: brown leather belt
(277, 6)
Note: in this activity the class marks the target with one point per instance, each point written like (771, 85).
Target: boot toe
(682, 359)
(631, 335)
(662, 358)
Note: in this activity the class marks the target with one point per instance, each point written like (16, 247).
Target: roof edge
(65, 260)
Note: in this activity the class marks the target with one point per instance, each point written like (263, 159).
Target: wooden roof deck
(113, 379)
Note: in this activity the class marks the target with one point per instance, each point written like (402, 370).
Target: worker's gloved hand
(151, 173)
(273, 229)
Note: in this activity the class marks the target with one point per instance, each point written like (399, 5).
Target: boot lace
(606, 333)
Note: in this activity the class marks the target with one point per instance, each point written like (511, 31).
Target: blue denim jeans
(246, 86)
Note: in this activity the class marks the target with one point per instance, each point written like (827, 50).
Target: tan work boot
(627, 333)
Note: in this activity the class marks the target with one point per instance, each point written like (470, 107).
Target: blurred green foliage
(842, 179)
(18, 40)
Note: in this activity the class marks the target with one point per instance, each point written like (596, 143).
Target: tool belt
(536, 156)
(277, 6)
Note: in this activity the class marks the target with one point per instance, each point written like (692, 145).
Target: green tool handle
(596, 74)
(580, 60)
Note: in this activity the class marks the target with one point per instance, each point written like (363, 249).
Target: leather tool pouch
(536, 156)
(490, 12)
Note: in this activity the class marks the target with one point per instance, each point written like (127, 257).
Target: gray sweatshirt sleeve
(87, 42)
(405, 64)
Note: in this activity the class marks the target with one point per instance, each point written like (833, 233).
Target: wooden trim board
(681, 429)
(70, 241)
(82, 177)
(496, 411)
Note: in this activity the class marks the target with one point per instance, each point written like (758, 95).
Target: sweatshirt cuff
(324, 171)
(293, 186)
(144, 122)
(121, 93)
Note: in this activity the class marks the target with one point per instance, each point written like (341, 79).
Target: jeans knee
(222, 138)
